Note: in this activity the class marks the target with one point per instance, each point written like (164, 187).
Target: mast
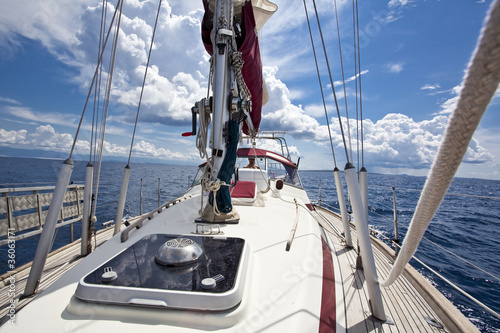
(222, 82)
(237, 100)
(225, 108)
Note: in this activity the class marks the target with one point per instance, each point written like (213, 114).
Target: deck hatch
(138, 275)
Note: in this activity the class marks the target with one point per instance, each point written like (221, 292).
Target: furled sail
(252, 16)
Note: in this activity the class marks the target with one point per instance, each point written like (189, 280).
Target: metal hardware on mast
(87, 207)
(221, 84)
(377, 306)
(49, 227)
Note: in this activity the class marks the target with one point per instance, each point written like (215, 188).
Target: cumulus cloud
(9, 137)
(46, 138)
(177, 78)
(146, 149)
(393, 141)
(280, 114)
(398, 141)
(274, 146)
(70, 33)
(48, 21)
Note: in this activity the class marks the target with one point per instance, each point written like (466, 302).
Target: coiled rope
(479, 86)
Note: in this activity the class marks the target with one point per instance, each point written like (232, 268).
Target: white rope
(237, 63)
(480, 84)
(202, 135)
(211, 186)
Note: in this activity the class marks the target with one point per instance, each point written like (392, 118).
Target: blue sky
(413, 58)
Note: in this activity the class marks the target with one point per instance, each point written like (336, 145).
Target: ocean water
(467, 226)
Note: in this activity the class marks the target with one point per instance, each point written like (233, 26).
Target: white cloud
(177, 78)
(280, 114)
(146, 149)
(394, 67)
(450, 104)
(9, 101)
(352, 78)
(399, 141)
(395, 140)
(430, 87)
(273, 145)
(399, 3)
(315, 110)
(9, 137)
(46, 138)
(55, 118)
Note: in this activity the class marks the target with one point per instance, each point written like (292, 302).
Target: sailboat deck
(405, 306)
(59, 262)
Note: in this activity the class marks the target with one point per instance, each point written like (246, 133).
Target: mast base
(208, 216)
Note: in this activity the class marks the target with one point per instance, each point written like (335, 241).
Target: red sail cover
(252, 67)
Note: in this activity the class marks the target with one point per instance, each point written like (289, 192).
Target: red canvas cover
(252, 67)
(243, 189)
(251, 152)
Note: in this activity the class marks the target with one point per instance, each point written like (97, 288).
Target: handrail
(36, 188)
(139, 223)
(23, 208)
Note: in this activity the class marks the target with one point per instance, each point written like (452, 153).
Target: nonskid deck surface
(58, 263)
(405, 307)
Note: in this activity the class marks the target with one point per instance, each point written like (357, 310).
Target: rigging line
(91, 86)
(320, 84)
(343, 78)
(360, 93)
(95, 86)
(355, 80)
(331, 82)
(451, 284)
(102, 128)
(99, 78)
(378, 233)
(470, 297)
(447, 193)
(464, 260)
(110, 79)
(144, 81)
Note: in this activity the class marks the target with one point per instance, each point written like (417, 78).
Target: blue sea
(468, 226)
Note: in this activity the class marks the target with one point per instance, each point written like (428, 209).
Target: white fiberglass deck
(283, 289)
